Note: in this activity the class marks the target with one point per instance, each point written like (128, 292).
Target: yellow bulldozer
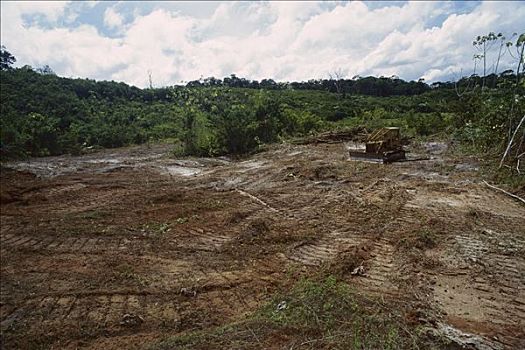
(382, 146)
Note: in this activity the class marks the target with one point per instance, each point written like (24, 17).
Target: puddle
(252, 164)
(294, 153)
(466, 167)
(248, 165)
(435, 147)
(181, 170)
(232, 182)
(430, 176)
(43, 169)
(188, 163)
(104, 160)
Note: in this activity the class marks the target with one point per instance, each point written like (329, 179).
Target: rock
(131, 320)
(467, 340)
(189, 292)
(358, 271)
(282, 306)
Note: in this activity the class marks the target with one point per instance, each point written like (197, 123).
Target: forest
(44, 114)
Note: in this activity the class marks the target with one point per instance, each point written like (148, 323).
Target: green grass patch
(160, 228)
(314, 314)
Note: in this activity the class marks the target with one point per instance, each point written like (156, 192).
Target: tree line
(44, 114)
(372, 86)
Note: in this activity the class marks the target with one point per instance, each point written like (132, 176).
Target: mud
(120, 248)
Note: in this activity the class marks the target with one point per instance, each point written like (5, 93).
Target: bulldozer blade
(387, 157)
(367, 157)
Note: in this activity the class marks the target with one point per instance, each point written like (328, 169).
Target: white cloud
(91, 3)
(12, 13)
(279, 40)
(113, 19)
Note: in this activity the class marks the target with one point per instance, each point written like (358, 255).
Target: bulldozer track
(108, 309)
(497, 294)
(380, 267)
(504, 293)
(325, 249)
(101, 309)
(314, 254)
(204, 239)
(198, 239)
(63, 244)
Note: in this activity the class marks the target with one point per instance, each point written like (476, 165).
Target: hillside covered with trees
(44, 114)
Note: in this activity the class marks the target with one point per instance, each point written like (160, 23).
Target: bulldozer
(382, 146)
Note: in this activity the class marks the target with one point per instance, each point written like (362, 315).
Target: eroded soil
(120, 248)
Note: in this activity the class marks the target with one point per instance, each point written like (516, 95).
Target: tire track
(505, 293)
(101, 309)
(203, 239)
(325, 249)
(238, 298)
(496, 296)
(60, 244)
(107, 310)
(380, 268)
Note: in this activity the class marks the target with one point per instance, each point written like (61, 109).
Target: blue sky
(181, 41)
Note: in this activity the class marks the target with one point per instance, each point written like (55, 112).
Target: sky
(286, 41)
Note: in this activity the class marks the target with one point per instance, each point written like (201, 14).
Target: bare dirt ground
(121, 248)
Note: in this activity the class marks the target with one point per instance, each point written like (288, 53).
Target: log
(510, 142)
(507, 193)
(258, 200)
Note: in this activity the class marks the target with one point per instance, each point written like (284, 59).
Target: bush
(425, 124)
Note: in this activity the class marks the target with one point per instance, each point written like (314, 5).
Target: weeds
(181, 220)
(422, 240)
(93, 215)
(126, 272)
(426, 239)
(160, 228)
(314, 314)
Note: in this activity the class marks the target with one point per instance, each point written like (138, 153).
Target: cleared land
(125, 248)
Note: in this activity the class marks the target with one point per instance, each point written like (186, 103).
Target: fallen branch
(244, 193)
(510, 142)
(254, 335)
(507, 193)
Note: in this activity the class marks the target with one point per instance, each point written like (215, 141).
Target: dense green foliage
(6, 59)
(43, 114)
(382, 86)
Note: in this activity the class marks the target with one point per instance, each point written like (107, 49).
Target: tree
(267, 117)
(6, 59)
(520, 144)
(520, 46)
(337, 78)
(484, 44)
(45, 70)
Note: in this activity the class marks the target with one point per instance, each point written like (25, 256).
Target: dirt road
(120, 248)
